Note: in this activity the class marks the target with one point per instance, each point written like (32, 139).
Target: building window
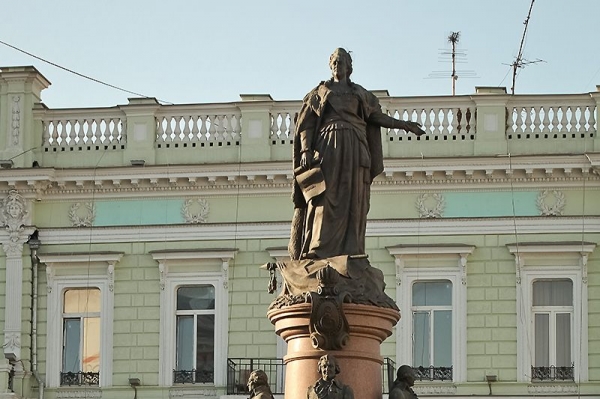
(81, 337)
(552, 312)
(194, 307)
(80, 300)
(195, 331)
(432, 329)
(432, 288)
(552, 332)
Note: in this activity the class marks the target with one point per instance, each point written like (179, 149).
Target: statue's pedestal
(360, 360)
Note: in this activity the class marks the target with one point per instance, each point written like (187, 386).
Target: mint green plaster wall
(491, 204)
(138, 212)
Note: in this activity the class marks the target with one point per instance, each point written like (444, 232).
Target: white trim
(413, 263)
(552, 260)
(381, 228)
(174, 272)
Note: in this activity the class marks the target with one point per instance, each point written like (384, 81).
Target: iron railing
(79, 378)
(193, 376)
(239, 369)
(433, 373)
(553, 373)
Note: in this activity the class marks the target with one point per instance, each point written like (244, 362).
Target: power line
(80, 74)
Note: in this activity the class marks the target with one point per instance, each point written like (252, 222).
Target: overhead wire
(80, 74)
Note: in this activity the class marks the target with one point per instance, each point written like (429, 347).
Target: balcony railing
(552, 373)
(239, 369)
(80, 378)
(433, 373)
(193, 376)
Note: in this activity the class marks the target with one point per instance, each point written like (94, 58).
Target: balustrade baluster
(226, 128)
(519, 119)
(212, 130)
(554, 121)
(88, 132)
(160, 133)
(187, 119)
(80, 135)
(195, 130)
(445, 122)
(63, 133)
(528, 120)
(592, 120)
(220, 128)
(203, 128)
(177, 131)
(45, 134)
(283, 126)
(536, 118)
(425, 118)
(546, 120)
(456, 120)
(168, 130)
(292, 126)
(579, 118)
(563, 119)
(274, 124)
(235, 126)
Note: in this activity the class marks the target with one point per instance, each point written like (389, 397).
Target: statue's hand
(414, 127)
(305, 159)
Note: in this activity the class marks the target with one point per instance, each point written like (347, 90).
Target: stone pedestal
(360, 360)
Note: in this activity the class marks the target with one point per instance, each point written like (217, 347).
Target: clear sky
(212, 51)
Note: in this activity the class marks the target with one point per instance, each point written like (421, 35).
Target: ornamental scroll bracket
(328, 326)
(13, 217)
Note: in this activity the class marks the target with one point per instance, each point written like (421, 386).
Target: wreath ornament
(551, 209)
(191, 217)
(78, 220)
(429, 213)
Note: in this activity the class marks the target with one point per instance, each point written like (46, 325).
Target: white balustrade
(283, 121)
(442, 118)
(180, 126)
(547, 117)
(83, 129)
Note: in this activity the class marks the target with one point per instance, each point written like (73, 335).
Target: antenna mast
(519, 61)
(453, 39)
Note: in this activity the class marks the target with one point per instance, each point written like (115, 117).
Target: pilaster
(13, 216)
(20, 89)
(490, 103)
(256, 127)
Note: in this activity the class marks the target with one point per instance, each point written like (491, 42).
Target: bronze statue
(405, 379)
(258, 385)
(338, 130)
(327, 387)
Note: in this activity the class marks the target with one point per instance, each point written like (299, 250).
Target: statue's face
(339, 66)
(328, 370)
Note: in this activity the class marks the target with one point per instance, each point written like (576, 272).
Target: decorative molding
(86, 220)
(436, 211)
(553, 209)
(281, 230)
(13, 214)
(192, 393)
(12, 342)
(441, 389)
(16, 121)
(190, 217)
(78, 393)
(552, 388)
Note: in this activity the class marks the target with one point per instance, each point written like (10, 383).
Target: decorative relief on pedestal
(195, 211)
(430, 205)
(80, 218)
(551, 206)
(16, 121)
(12, 216)
(328, 326)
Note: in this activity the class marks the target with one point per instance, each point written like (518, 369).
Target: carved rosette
(430, 205)
(13, 214)
(195, 211)
(548, 207)
(82, 219)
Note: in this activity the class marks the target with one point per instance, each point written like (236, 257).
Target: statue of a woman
(338, 128)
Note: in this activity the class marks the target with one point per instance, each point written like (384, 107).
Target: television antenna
(520, 62)
(457, 56)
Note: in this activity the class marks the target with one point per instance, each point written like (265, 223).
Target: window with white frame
(432, 328)
(81, 336)
(432, 289)
(80, 318)
(552, 302)
(193, 316)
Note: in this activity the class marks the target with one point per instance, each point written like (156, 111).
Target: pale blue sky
(211, 51)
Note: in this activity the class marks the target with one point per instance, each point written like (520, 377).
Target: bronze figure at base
(327, 387)
(405, 379)
(258, 385)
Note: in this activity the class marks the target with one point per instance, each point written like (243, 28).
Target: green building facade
(133, 237)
